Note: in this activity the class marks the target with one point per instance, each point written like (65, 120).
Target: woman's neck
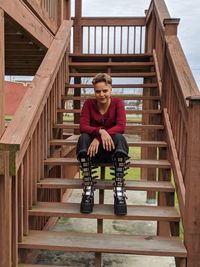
(103, 107)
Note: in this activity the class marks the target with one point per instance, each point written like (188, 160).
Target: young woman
(102, 123)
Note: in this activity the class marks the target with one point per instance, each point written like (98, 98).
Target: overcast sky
(187, 10)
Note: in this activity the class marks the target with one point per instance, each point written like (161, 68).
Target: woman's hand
(93, 148)
(107, 141)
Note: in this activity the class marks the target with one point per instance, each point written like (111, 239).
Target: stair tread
(74, 138)
(114, 74)
(128, 126)
(105, 211)
(145, 85)
(133, 163)
(133, 111)
(110, 64)
(105, 243)
(76, 57)
(139, 185)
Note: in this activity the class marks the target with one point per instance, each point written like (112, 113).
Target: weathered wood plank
(105, 211)
(138, 185)
(115, 74)
(128, 126)
(133, 163)
(105, 21)
(106, 243)
(146, 85)
(72, 140)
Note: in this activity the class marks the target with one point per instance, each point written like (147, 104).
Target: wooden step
(133, 163)
(114, 74)
(105, 243)
(133, 111)
(145, 85)
(129, 126)
(77, 57)
(110, 64)
(124, 97)
(137, 185)
(73, 139)
(105, 211)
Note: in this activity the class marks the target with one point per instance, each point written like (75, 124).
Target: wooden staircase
(155, 168)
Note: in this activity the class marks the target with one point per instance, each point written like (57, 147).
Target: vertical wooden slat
(77, 27)
(2, 72)
(108, 39)
(134, 39)
(102, 41)
(26, 193)
(95, 39)
(6, 216)
(121, 38)
(20, 202)
(88, 40)
(30, 174)
(14, 221)
(114, 40)
(128, 28)
(141, 39)
(34, 166)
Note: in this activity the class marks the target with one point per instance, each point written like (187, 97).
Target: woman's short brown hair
(102, 77)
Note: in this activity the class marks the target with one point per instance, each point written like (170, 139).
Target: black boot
(120, 166)
(87, 202)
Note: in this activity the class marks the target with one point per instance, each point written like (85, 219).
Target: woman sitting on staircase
(102, 123)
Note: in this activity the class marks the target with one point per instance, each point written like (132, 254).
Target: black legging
(103, 156)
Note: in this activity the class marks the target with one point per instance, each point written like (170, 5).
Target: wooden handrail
(180, 100)
(89, 35)
(24, 146)
(112, 21)
(18, 134)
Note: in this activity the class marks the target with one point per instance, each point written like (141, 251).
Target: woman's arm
(85, 120)
(120, 119)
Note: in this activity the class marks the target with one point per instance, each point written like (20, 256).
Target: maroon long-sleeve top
(113, 121)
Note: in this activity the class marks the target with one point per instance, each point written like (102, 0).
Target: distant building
(14, 92)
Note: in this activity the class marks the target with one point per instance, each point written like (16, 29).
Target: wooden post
(5, 215)
(64, 10)
(192, 201)
(2, 72)
(77, 27)
(77, 49)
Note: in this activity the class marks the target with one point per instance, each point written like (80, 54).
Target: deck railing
(51, 13)
(109, 35)
(181, 103)
(24, 145)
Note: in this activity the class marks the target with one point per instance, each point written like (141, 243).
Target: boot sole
(86, 208)
(120, 209)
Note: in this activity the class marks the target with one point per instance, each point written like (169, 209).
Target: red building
(14, 92)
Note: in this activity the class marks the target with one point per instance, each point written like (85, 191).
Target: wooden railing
(24, 145)
(51, 13)
(181, 103)
(109, 35)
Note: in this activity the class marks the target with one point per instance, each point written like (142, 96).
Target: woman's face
(102, 92)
